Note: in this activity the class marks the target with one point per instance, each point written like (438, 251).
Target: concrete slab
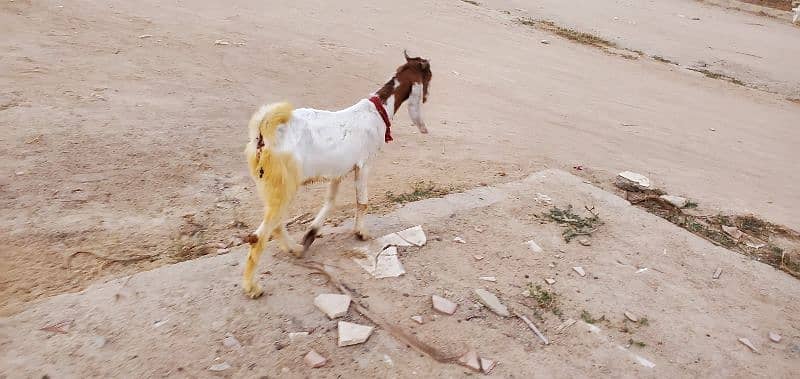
(172, 321)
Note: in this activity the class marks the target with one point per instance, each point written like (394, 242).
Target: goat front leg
(361, 202)
(316, 225)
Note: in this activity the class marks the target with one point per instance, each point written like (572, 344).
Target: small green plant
(690, 204)
(575, 224)
(419, 190)
(570, 34)
(644, 321)
(589, 319)
(633, 342)
(544, 298)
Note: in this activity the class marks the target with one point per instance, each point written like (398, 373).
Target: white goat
(290, 148)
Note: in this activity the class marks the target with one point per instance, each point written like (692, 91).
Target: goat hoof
(309, 238)
(362, 235)
(253, 291)
(298, 251)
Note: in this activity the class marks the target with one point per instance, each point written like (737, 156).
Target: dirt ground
(123, 122)
(171, 322)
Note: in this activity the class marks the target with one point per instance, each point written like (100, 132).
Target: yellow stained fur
(277, 177)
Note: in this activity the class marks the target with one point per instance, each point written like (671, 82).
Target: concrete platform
(171, 322)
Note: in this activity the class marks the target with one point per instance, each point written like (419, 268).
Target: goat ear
(425, 65)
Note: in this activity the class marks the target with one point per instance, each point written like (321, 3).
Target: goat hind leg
(257, 241)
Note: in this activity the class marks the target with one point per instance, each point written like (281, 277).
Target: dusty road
(123, 123)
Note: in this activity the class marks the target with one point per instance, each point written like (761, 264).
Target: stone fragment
(332, 304)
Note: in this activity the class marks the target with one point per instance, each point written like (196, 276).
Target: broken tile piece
(717, 273)
(470, 359)
(549, 281)
(459, 240)
(774, 337)
(749, 344)
(332, 304)
(490, 300)
(732, 231)
(631, 316)
(413, 236)
(314, 360)
(487, 365)
(417, 319)
(381, 263)
(534, 246)
(219, 367)
(579, 270)
(353, 334)
(488, 278)
(443, 305)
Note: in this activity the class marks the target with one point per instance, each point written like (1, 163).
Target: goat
(290, 148)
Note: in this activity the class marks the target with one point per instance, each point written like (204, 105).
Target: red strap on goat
(382, 111)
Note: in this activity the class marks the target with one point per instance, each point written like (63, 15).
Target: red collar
(379, 106)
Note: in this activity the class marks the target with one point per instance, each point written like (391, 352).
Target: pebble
(478, 257)
(487, 365)
(579, 270)
(749, 344)
(534, 246)
(676, 201)
(314, 360)
(471, 360)
(219, 367)
(488, 278)
(631, 316)
(294, 336)
(491, 301)
(584, 241)
(443, 305)
(459, 240)
(418, 319)
(231, 341)
(550, 281)
(717, 273)
(632, 181)
(774, 337)
(544, 41)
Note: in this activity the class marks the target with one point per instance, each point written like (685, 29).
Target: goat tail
(266, 120)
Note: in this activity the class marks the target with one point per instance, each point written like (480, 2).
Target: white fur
(415, 106)
(328, 145)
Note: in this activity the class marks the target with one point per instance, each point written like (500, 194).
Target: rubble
(549, 281)
(443, 305)
(749, 344)
(418, 319)
(491, 301)
(579, 270)
(219, 367)
(534, 246)
(676, 201)
(471, 360)
(487, 365)
(333, 305)
(413, 236)
(631, 181)
(380, 256)
(314, 360)
(353, 334)
(631, 316)
(231, 341)
(732, 231)
(459, 240)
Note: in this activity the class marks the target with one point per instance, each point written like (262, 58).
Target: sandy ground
(171, 322)
(123, 123)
